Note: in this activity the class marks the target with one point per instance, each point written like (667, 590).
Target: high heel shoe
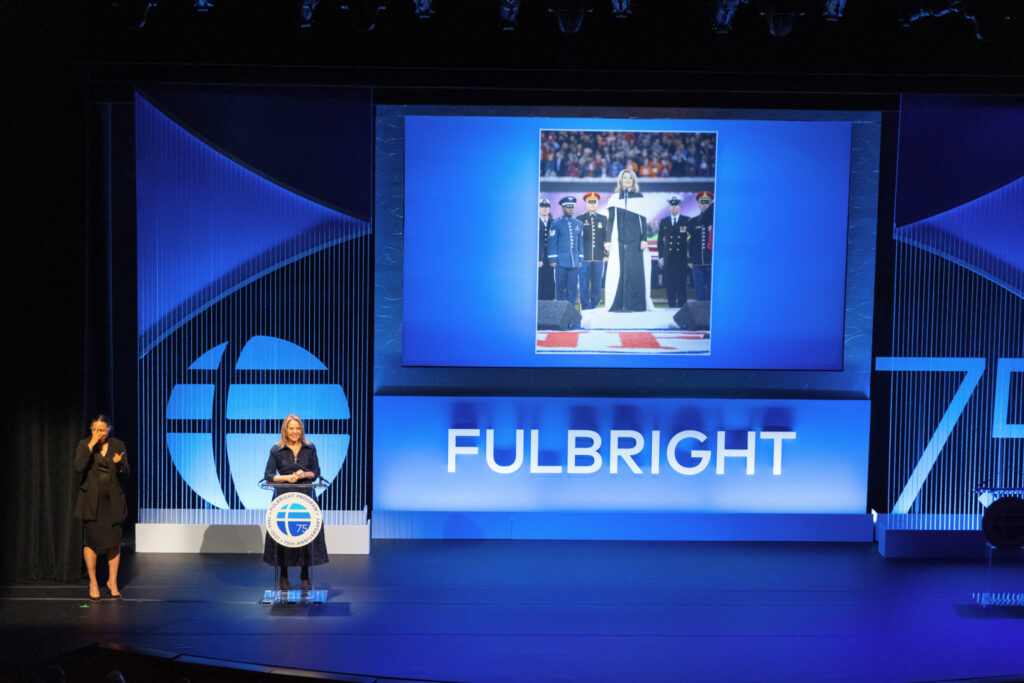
(112, 595)
(94, 598)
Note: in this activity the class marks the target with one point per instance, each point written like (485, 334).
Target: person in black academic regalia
(293, 459)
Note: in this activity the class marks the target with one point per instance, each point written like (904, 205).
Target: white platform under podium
(239, 531)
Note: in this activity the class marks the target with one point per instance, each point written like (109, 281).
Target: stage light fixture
(724, 11)
(915, 10)
(569, 14)
(988, 17)
(508, 14)
(136, 11)
(621, 9)
(781, 15)
(202, 5)
(363, 13)
(424, 8)
(780, 24)
(987, 14)
(303, 12)
(834, 9)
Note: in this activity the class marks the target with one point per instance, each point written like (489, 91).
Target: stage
(480, 611)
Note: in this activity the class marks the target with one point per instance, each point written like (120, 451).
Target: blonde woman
(293, 460)
(628, 283)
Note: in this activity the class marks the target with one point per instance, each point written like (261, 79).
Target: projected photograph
(633, 276)
(625, 242)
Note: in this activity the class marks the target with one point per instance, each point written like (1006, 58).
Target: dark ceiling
(878, 46)
(873, 36)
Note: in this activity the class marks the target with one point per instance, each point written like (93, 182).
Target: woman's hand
(99, 435)
(118, 457)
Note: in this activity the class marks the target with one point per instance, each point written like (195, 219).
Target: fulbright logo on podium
(293, 519)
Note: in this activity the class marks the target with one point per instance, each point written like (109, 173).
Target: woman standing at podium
(293, 460)
(101, 503)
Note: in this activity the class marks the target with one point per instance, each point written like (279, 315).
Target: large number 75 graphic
(974, 369)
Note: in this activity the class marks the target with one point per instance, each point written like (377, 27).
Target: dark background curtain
(56, 317)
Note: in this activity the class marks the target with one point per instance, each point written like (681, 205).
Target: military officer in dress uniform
(565, 251)
(595, 252)
(699, 239)
(672, 253)
(545, 272)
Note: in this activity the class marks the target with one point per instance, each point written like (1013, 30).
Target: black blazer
(89, 490)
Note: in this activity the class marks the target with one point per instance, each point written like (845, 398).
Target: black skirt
(103, 532)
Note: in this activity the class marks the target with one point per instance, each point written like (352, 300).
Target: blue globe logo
(293, 519)
(261, 404)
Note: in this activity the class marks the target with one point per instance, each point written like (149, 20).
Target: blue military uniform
(565, 248)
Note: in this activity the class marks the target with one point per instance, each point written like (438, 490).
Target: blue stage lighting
(304, 11)
(363, 13)
(569, 14)
(834, 9)
(724, 11)
(508, 14)
(424, 8)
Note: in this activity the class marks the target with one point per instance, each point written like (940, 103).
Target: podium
(293, 520)
(1003, 526)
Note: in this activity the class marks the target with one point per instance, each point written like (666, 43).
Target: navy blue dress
(283, 461)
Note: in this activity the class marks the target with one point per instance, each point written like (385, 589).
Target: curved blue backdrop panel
(253, 304)
(207, 225)
(956, 416)
(985, 235)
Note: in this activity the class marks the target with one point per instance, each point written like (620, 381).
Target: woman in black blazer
(101, 503)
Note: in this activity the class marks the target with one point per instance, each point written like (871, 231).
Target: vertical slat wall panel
(943, 310)
(228, 257)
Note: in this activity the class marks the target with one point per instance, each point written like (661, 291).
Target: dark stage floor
(557, 611)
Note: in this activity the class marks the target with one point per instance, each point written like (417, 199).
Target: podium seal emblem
(293, 519)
